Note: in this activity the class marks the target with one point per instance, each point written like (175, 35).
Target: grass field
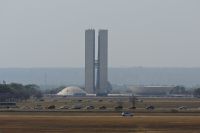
(163, 119)
(91, 124)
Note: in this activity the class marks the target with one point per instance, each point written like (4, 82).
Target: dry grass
(111, 102)
(91, 124)
(161, 120)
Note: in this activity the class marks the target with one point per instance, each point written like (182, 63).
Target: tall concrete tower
(90, 61)
(101, 63)
(102, 68)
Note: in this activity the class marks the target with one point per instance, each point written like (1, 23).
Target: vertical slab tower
(102, 70)
(90, 60)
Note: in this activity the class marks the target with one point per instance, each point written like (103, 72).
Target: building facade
(90, 61)
(96, 69)
(102, 68)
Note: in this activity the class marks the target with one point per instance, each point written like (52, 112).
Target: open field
(162, 105)
(165, 118)
(91, 124)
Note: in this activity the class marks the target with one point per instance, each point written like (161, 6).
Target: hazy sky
(50, 33)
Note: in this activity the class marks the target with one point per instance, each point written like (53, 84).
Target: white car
(64, 107)
(127, 114)
(182, 108)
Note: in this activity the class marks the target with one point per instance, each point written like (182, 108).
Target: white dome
(72, 91)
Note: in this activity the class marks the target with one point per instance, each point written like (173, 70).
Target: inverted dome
(72, 91)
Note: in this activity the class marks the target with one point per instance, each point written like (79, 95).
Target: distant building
(102, 68)
(7, 97)
(8, 105)
(90, 61)
(101, 64)
(151, 90)
(72, 91)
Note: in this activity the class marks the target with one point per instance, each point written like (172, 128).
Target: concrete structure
(8, 105)
(102, 68)
(90, 60)
(151, 90)
(101, 64)
(72, 91)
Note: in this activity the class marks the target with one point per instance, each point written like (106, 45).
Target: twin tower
(96, 69)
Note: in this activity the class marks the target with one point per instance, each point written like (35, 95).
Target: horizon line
(108, 67)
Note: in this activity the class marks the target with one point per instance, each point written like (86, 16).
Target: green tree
(34, 90)
(197, 92)
(178, 90)
(19, 91)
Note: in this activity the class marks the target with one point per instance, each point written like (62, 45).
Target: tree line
(19, 91)
(182, 90)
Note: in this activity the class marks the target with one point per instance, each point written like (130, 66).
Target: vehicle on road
(51, 107)
(150, 107)
(127, 114)
(90, 107)
(102, 107)
(64, 107)
(182, 108)
(133, 107)
(77, 107)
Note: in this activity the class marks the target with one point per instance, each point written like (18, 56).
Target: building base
(102, 94)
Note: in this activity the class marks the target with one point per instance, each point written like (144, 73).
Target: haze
(50, 33)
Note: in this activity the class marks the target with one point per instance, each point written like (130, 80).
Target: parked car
(102, 107)
(80, 100)
(139, 100)
(150, 107)
(133, 107)
(64, 107)
(100, 100)
(90, 107)
(182, 108)
(127, 114)
(51, 107)
(77, 107)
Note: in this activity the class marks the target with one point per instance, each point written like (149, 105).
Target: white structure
(90, 60)
(102, 84)
(72, 91)
(151, 90)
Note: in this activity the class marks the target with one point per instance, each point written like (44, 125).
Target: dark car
(90, 107)
(150, 107)
(51, 107)
(102, 107)
(77, 107)
(133, 107)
